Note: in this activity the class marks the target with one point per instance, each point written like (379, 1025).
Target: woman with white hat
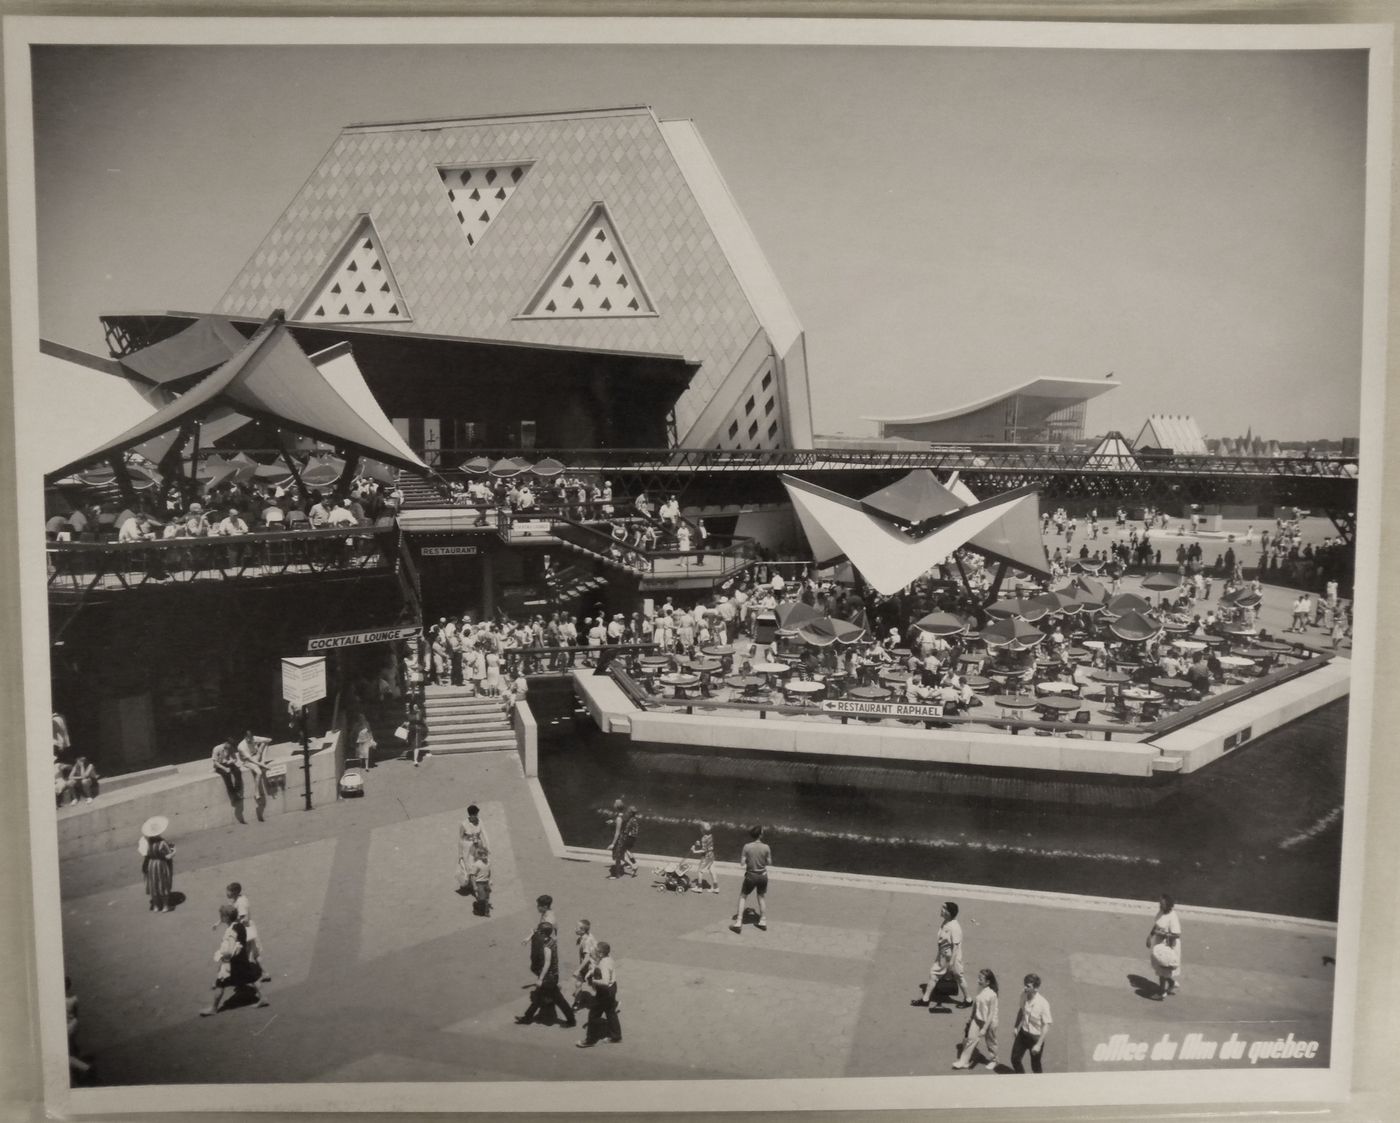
(157, 862)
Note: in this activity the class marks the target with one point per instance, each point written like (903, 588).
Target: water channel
(1258, 830)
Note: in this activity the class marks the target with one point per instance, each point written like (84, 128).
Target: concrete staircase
(462, 722)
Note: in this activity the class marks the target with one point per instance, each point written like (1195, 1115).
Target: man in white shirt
(136, 529)
(232, 524)
(341, 515)
(1032, 1026)
(319, 512)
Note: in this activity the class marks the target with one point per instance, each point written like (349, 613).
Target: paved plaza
(381, 972)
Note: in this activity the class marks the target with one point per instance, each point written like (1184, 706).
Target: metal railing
(84, 566)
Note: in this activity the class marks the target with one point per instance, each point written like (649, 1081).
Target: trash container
(765, 628)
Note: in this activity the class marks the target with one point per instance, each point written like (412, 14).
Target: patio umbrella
(1088, 565)
(142, 478)
(1124, 603)
(792, 616)
(222, 473)
(1135, 627)
(1162, 582)
(273, 471)
(476, 466)
(1244, 598)
(323, 471)
(943, 624)
(1094, 592)
(1016, 606)
(1048, 601)
(505, 468)
(376, 470)
(1013, 633)
(211, 467)
(1072, 601)
(98, 476)
(825, 630)
(548, 468)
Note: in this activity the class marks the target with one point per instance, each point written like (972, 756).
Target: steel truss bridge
(720, 477)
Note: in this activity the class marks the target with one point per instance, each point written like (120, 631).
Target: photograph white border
(839, 1094)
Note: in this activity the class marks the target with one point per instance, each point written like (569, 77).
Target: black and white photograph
(624, 566)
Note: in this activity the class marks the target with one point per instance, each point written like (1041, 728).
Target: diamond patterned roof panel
(482, 289)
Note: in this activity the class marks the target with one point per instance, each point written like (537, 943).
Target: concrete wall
(193, 798)
(527, 737)
(1204, 741)
(881, 742)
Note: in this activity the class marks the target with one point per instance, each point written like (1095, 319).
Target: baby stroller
(678, 877)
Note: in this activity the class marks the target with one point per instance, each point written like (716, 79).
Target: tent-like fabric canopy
(839, 528)
(207, 343)
(108, 400)
(270, 379)
(913, 501)
(919, 503)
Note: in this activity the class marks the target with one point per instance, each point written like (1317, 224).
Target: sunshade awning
(272, 380)
(838, 527)
(207, 343)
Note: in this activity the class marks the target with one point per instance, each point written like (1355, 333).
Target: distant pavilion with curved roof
(1041, 411)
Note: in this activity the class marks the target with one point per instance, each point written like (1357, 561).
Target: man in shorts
(756, 857)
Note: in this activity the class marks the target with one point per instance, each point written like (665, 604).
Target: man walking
(756, 858)
(602, 1016)
(1032, 1026)
(546, 994)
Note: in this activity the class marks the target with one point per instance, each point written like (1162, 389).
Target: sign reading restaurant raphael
(355, 639)
(881, 709)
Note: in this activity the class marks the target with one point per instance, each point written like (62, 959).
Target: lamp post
(303, 682)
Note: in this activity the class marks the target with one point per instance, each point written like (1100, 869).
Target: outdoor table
(679, 682)
(654, 660)
(868, 693)
(1140, 694)
(1274, 645)
(1060, 707)
(1240, 630)
(1095, 644)
(895, 676)
(1256, 652)
(1213, 641)
(803, 688)
(978, 683)
(771, 668)
(1188, 645)
(1111, 677)
(1079, 652)
(901, 652)
(968, 657)
(719, 651)
(1235, 661)
(1056, 688)
(1011, 702)
(705, 664)
(1171, 685)
(743, 682)
(1174, 626)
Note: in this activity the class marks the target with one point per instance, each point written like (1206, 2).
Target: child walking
(705, 847)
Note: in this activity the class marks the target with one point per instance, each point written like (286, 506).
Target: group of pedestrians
(594, 979)
(946, 982)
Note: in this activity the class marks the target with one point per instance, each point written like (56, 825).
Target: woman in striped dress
(157, 863)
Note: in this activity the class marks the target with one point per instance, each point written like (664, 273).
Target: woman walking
(1164, 948)
(157, 863)
(980, 1037)
(236, 969)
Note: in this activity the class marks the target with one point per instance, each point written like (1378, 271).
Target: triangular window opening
(487, 187)
(593, 276)
(342, 296)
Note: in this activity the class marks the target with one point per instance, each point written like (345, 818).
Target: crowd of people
(228, 509)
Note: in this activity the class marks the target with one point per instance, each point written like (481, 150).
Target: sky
(947, 222)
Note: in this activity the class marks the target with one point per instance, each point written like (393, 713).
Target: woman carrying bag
(980, 1037)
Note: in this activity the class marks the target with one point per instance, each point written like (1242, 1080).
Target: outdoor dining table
(679, 682)
(771, 668)
(1174, 626)
(1111, 677)
(1235, 661)
(1214, 641)
(705, 664)
(654, 660)
(1141, 694)
(1079, 652)
(743, 682)
(1274, 645)
(803, 688)
(969, 657)
(1188, 645)
(1171, 686)
(868, 693)
(895, 676)
(1060, 707)
(1056, 688)
(719, 651)
(1095, 644)
(1012, 702)
(1256, 652)
(978, 683)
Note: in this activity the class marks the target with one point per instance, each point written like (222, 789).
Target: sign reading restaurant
(882, 709)
(447, 551)
(355, 639)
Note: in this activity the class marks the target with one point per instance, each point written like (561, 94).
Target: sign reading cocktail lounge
(355, 639)
(881, 709)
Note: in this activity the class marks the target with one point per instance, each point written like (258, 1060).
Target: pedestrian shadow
(174, 900)
(1145, 988)
(242, 996)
